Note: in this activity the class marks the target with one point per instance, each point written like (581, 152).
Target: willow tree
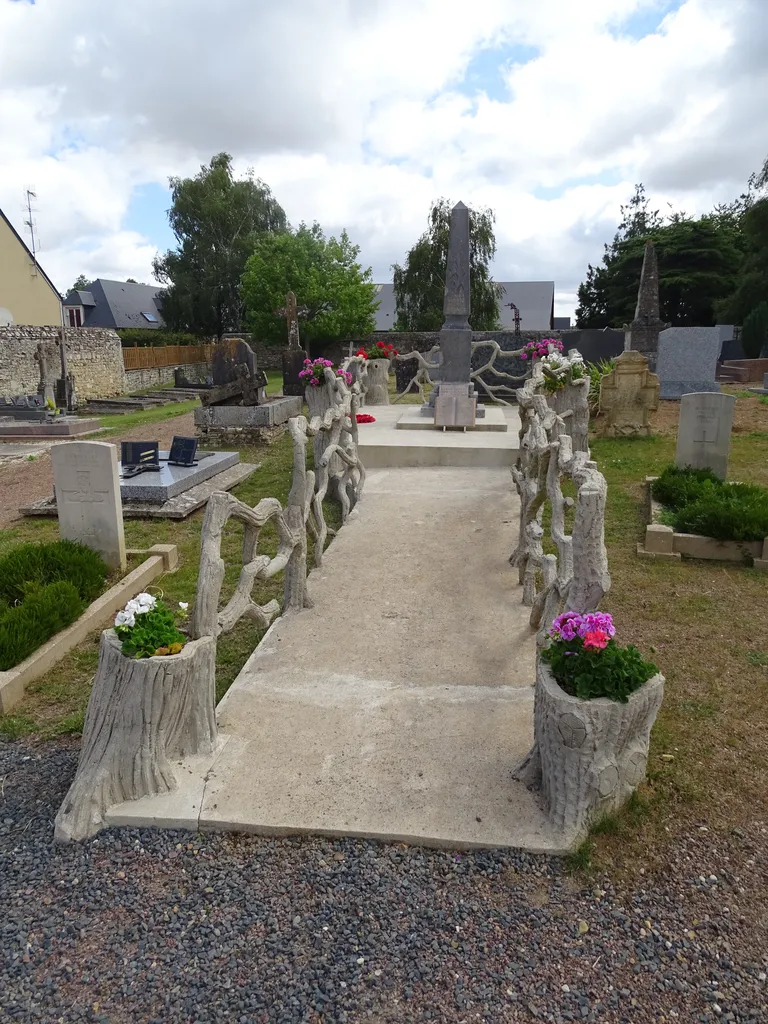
(419, 284)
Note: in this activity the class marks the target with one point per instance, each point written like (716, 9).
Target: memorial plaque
(183, 451)
(139, 456)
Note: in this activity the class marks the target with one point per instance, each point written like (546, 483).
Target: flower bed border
(662, 542)
(162, 558)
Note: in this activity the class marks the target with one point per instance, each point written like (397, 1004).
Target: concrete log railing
(144, 714)
(502, 388)
(553, 449)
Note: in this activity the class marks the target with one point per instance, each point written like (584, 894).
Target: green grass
(121, 422)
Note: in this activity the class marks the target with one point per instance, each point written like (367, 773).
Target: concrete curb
(162, 558)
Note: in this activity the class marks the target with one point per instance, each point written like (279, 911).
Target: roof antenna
(30, 223)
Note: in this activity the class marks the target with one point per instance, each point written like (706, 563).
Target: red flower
(596, 640)
(380, 344)
(362, 353)
(395, 352)
(364, 417)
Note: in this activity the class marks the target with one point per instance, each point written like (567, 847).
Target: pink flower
(596, 640)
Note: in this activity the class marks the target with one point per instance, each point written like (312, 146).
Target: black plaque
(139, 457)
(183, 451)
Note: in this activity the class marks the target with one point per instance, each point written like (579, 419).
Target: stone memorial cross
(291, 312)
(704, 432)
(88, 504)
(628, 394)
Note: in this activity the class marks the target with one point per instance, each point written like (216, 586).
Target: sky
(359, 113)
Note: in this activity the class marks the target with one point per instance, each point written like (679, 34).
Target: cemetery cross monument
(294, 355)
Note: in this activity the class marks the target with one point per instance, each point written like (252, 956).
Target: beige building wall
(24, 289)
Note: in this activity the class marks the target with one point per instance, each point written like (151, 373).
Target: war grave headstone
(628, 394)
(704, 432)
(237, 409)
(87, 490)
(687, 360)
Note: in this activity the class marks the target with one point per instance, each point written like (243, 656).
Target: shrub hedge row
(702, 503)
(41, 615)
(148, 338)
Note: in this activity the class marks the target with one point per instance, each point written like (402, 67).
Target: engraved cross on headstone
(291, 312)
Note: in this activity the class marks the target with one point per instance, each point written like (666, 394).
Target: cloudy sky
(358, 113)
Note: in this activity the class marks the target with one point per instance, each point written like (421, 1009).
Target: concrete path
(398, 706)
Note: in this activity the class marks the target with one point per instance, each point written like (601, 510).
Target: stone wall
(94, 356)
(162, 376)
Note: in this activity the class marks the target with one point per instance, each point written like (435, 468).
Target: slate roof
(119, 304)
(534, 299)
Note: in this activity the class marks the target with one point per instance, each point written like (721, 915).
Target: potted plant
(317, 391)
(534, 350)
(378, 359)
(153, 701)
(594, 706)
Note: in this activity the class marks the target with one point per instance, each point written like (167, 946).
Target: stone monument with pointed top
(642, 335)
(455, 401)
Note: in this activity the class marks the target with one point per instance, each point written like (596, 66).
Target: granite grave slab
(687, 360)
(170, 481)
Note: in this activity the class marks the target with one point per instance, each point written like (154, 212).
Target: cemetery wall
(162, 376)
(94, 355)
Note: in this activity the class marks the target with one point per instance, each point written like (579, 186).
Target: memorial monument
(294, 355)
(642, 335)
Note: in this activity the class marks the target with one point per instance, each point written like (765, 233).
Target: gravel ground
(158, 926)
(24, 482)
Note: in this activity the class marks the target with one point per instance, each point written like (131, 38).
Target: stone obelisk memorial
(642, 335)
(455, 400)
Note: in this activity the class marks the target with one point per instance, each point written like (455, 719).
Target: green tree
(754, 333)
(81, 284)
(752, 286)
(420, 284)
(217, 221)
(326, 277)
(698, 267)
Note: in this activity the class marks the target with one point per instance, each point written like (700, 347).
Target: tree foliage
(698, 263)
(217, 221)
(81, 284)
(754, 333)
(419, 285)
(326, 278)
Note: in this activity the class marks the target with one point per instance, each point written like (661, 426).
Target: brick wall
(94, 356)
(162, 376)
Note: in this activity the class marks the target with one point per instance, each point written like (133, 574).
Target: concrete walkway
(398, 706)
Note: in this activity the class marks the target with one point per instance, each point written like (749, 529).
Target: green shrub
(754, 332)
(42, 614)
(676, 487)
(614, 672)
(728, 512)
(153, 632)
(700, 502)
(596, 373)
(31, 566)
(150, 338)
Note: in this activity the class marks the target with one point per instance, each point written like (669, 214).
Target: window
(151, 317)
(75, 317)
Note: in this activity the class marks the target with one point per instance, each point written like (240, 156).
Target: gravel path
(141, 926)
(24, 482)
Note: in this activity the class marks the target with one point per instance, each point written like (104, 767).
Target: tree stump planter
(319, 400)
(588, 756)
(142, 714)
(377, 392)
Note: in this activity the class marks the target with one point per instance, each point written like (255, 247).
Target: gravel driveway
(24, 482)
(142, 926)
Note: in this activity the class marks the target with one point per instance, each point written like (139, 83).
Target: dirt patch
(24, 482)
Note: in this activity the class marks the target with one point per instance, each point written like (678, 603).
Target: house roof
(120, 304)
(28, 251)
(79, 298)
(534, 299)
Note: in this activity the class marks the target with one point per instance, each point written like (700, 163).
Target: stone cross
(45, 387)
(642, 335)
(88, 503)
(291, 312)
(704, 431)
(628, 394)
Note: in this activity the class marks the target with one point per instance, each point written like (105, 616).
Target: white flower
(133, 607)
(146, 600)
(125, 618)
(183, 605)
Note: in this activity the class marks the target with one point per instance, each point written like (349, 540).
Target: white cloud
(357, 115)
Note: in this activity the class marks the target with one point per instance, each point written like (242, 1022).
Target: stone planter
(588, 755)
(377, 392)
(319, 400)
(574, 400)
(142, 715)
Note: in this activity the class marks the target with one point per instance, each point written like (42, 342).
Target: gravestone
(642, 335)
(294, 356)
(688, 360)
(87, 490)
(229, 355)
(628, 394)
(704, 432)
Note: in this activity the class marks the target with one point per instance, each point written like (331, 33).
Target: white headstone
(88, 501)
(704, 432)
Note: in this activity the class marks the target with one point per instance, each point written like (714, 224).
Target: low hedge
(152, 338)
(700, 502)
(31, 566)
(43, 613)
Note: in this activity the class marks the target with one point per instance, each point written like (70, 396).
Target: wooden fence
(144, 358)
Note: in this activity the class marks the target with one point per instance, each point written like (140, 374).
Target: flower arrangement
(147, 627)
(560, 370)
(314, 372)
(587, 662)
(539, 349)
(364, 417)
(381, 350)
